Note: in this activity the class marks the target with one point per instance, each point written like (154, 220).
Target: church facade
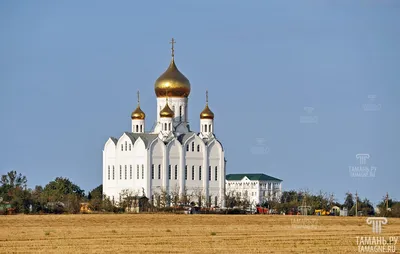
(171, 162)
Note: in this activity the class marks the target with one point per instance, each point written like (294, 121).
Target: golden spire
(206, 113)
(172, 79)
(172, 47)
(138, 114)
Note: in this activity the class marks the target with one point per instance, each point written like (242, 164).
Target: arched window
(180, 113)
(113, 173)
(137, 171)
(126, 146)
(169, 126)
(205, 130)
(165, 126)
(130, 172)
(142, 171)
(126, 173)
(159, 171)
(192, 172)
(187, 147)
(209, 173)
(108, 173)
(209, 128)
(122, 147)
(120, 172)
(169, 172)
(199, 172)
(216, 173)
(192, 146)
(137, 128)
(130, 147)
(186, 172)
(152, 171)
(198, 148)
(141, 128)
(176, 172)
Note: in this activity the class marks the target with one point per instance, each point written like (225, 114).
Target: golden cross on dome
(172, 47)
(207, 97)
(138, 99)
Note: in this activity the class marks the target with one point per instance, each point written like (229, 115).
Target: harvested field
(139, 233)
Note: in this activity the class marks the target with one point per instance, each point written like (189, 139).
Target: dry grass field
(163, 233)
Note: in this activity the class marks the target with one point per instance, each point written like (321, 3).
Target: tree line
(58, 196)
(291, 202)
(63, 196)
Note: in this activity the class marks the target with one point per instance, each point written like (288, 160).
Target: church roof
(114, 140)
(184, 137)
(149, 137)
(252, 177)
(146, 137)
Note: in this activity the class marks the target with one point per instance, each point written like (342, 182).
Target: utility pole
(387, 201)
(356, 203)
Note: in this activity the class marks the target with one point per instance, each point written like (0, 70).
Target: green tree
(96, 198)
(13, 190)
(37, 200)
(349, 201)
(9, 182)
(62, 190)
(366, 207)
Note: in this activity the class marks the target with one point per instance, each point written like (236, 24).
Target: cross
(138, 100)
(207, 97)
(172, 47)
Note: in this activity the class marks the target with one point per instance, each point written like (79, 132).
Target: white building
(257, 188)
(170, 159)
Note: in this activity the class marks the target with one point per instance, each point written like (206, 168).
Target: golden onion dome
(167, 112)
(138, 114)
(206, 113)
(173, 82)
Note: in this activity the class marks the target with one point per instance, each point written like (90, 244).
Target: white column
(182, 171)
(222, 178)
(164, 169)
(205, 174)
(148, 189)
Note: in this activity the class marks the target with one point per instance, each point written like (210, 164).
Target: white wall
(173, 154)
(258, 191)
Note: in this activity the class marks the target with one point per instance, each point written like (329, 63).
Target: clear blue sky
(69, 72)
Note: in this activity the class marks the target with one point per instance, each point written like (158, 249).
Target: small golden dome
(173, 81)
(138, 114)
(206, 113)
(167, 112)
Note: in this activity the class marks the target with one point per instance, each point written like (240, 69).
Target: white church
(171, 158)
